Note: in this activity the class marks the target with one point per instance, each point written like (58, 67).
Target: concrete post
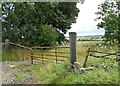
(72, 39)
(7, 45)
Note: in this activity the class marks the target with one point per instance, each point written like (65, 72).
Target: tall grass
(105, 70)
(8, 56)
(62, 74)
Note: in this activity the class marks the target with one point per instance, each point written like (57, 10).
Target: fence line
(18, 45)
(40, 54)
(107, 54)
(31, 51)
(49, 47)
(56, 53)
(21, 51)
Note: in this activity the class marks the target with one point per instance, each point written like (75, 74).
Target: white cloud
(85, 23)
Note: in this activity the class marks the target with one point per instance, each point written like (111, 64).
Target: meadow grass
(8, 56)
(105, 70)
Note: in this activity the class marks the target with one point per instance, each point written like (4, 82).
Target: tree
(109, 15)
(28, 23)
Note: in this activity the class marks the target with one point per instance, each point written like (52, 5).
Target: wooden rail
(23, 52)
(21, 46)
(55, 54)
(49, 47)
(102, 56)
(52, 53)
(30, 51)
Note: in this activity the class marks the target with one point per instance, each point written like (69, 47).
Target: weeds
(7, 56)
(105, 70)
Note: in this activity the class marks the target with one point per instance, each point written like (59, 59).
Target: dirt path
(17, 73)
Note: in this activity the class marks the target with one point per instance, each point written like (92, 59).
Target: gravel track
(10, 71)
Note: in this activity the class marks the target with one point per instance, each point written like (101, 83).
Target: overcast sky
(85, 23)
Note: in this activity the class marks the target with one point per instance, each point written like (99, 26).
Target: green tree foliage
(109, 15)
(37, 23)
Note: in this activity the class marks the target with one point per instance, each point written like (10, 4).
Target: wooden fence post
(42, 56)
(72, 39)
(88, 51)
(31, 56)
(7, 45)
(56, 53)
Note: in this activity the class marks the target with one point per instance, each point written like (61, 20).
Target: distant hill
(91, 36)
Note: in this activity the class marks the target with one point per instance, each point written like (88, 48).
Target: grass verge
(7, 56)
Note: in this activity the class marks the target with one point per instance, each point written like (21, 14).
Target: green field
(105, 70)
